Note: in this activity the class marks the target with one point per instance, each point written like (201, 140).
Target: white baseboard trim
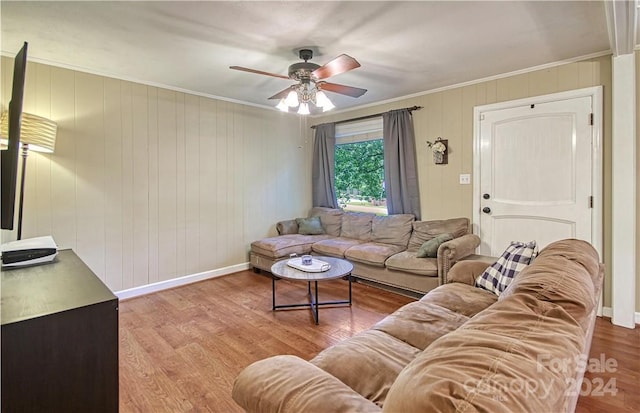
(608, 312)
(177, 282)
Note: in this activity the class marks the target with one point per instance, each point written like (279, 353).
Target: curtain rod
(375, 115)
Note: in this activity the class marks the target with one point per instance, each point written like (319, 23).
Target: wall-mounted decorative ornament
(440, 150)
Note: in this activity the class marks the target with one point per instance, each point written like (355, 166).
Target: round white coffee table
(339, 269)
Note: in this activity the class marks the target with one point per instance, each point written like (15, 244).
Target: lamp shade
(283, 106)
(322, 101)
(303, 109)
(292, 99)
(38, 132)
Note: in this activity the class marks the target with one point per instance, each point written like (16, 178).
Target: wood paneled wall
(449, 114)
(148, 184)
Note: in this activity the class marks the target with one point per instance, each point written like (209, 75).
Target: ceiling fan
(310, 86)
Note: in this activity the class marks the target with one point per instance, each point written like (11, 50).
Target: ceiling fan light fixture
(282, 105)
(292, 99)
(322, 101)
(303, 109)
(311, 77)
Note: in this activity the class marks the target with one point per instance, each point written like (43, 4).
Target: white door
(536, 173)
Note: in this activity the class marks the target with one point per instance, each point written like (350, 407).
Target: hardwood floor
(181, 349)
(614, 387)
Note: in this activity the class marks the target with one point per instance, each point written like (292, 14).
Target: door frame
(596, 153)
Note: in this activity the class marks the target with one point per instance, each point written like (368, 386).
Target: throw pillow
(430, 248)
(309, 226)
(514, 259)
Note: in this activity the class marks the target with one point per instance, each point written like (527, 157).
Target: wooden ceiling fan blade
(340, 64)
(354, 92)
(259, 72)
(282, 95)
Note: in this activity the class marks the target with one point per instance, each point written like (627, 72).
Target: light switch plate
(465, 179)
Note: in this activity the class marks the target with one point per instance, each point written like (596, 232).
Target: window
(359, 167)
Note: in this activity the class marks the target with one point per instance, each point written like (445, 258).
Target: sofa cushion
(504, 359)
(334, 247)
(408, 262)
(577, 251)
(287, 383)
(425, 230)
(310, 226)
(420, 323)
(392, 229)
(368, 362)
(569, 287)
(331, 219)
(430, 248)
(285, 245)
(461, 298)
(515, 258)
(357, 225)
(573, 287)
(372, 253)
(467, 270)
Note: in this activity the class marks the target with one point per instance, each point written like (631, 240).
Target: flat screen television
(9, 160)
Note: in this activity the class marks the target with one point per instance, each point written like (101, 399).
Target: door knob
(486, 196)
(486, 210)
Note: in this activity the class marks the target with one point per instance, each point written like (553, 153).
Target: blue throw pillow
(310, 226)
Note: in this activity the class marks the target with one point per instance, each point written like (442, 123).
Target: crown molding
(622, 18)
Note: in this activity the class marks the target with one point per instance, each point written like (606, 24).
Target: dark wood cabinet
(59, 339)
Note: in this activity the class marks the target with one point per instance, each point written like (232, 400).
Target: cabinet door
(64, 362)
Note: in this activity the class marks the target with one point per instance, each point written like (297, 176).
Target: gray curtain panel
(322, 177)
(400, 173)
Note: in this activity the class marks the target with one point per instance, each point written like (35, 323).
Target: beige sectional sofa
(458, 349)
(382, 249)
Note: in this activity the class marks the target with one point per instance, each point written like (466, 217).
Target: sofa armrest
(466, 272)
(289, 226)
(451, 251)
(290, 384)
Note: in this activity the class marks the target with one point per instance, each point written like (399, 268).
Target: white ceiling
(404, 48)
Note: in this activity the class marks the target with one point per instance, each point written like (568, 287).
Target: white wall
(148, 184)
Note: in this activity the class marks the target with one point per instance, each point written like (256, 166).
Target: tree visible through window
(359, 176)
